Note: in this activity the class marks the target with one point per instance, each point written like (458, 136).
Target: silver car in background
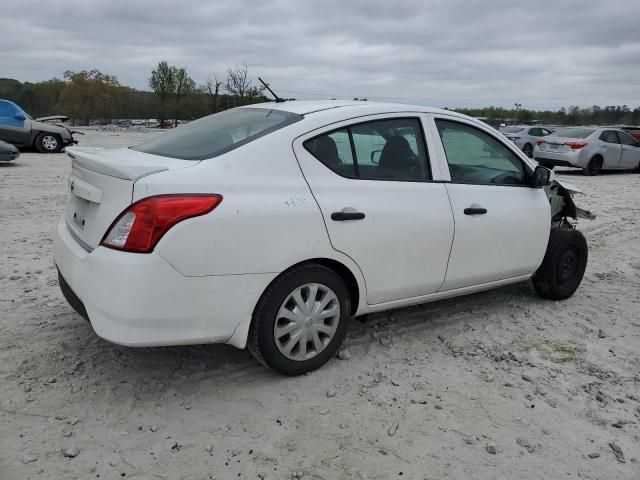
(590, 148)
(525, 136)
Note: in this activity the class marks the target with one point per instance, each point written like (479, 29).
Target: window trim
(528, 170)
(348, 127)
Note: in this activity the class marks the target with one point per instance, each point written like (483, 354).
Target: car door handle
(342, 216)
(475, 211)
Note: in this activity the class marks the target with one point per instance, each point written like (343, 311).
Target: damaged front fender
(560, 194)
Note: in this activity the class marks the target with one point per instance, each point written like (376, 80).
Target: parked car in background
(633, 131)
(590, 148)
(122, 123)
(47, 134)
(8, 152)
(525, 136)
(271, 225)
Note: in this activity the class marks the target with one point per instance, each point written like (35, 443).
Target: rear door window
(390, 149)
(334, 151)
(216, 134)
(626, 139)
(609, 136)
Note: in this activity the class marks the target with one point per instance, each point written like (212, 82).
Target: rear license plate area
(78, 211)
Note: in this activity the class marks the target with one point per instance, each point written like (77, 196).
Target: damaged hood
(569, 187)
(53, 118)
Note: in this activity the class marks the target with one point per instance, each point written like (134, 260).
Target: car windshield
(216, 134)
(511, 129)
(573, 132)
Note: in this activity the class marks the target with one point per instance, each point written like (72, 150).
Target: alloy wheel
(50, 142)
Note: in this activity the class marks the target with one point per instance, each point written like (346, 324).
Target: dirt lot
(498, 385)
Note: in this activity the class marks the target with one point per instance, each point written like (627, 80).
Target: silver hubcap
(49, 142)
(307, 321)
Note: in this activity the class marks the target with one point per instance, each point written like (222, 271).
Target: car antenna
(278, 99)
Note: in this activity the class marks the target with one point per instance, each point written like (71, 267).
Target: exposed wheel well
(345, 273)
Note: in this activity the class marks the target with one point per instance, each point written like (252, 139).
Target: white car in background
(592, 149)
(271, 225)
(525, 136)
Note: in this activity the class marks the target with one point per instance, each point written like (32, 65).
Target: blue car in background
(47, 134)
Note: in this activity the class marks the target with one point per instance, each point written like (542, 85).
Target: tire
(48, 142)
(270, 349)
(528, 150)
(594, 167)
(563, 266)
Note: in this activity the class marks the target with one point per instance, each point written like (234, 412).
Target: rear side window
(390, 149)
(216, 134)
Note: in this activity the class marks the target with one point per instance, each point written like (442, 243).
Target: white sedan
(269, 226)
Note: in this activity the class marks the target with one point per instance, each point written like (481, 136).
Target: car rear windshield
(216, 134)
(511, 129)
(573, 132)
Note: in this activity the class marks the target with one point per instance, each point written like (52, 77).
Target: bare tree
(213, 87)
(237, 81)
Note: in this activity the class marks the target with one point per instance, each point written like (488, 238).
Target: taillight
(576, 145)
(141, 226)
(539, 141)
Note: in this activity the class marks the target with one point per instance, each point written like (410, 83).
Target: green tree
(90, 95)
(163, 83)
(184, 85)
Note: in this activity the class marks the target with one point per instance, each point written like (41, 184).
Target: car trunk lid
(101, 187)
(558, 144)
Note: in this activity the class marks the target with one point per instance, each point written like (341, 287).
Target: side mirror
(541, 177)
(19, 116)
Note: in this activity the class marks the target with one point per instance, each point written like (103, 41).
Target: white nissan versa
(270, 226)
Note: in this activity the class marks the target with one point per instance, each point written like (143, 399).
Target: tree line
(90, 95)
(574, 115)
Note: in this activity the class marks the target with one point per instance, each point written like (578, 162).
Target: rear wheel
(300, 320)
(48, 143)
(528, 150)
(563, 266)
(594, 167)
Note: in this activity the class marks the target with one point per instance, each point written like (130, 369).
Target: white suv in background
(270, 226)
(525, 136)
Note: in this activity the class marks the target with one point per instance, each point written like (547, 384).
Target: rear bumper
(141, 300)
(554, 162)
(564, 159)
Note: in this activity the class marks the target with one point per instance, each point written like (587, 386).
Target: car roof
(307, 107)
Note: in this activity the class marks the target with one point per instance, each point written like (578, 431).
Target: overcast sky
(450, 53)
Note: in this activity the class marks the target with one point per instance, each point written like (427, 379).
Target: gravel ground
(500, 384)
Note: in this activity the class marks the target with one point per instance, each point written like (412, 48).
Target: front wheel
(300, 320)
(528, 150)
(563, 266)
(48, 143)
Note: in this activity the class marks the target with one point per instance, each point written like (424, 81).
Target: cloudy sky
(437, 52)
